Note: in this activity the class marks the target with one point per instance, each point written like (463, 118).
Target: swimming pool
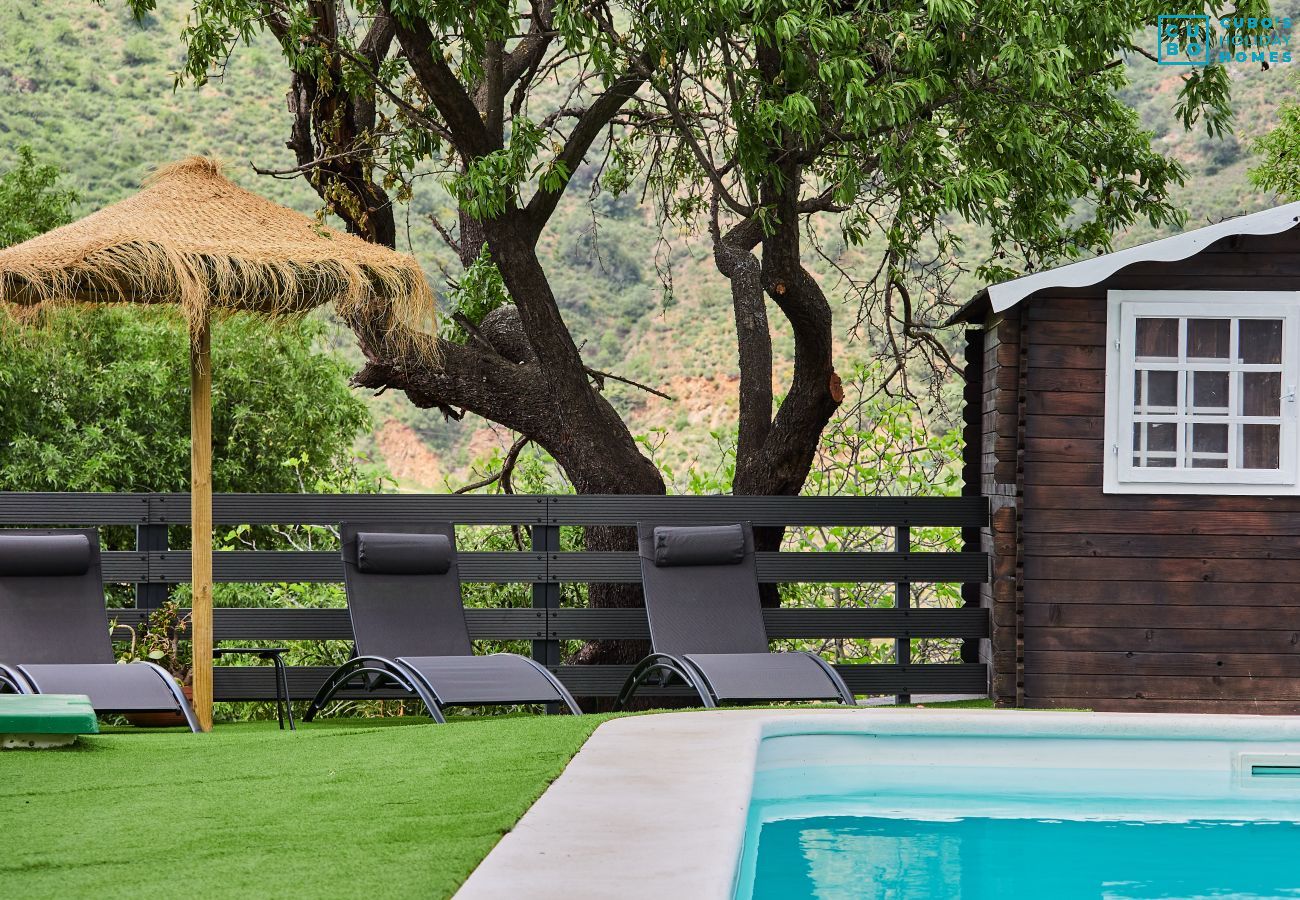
(1048, 805)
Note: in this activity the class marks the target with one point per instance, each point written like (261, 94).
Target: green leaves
(479, 291)
(913, 114)
(31, 200)
(98, 400)
(1280, 170)
(491, 183)
(160, 639)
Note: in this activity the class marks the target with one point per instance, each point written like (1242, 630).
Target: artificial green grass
(383, 807)
(340, 808)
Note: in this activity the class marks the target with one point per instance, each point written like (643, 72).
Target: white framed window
(1201, 392)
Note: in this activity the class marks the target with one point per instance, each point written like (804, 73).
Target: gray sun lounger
(706, 622)
(408, 623)
(54, 631)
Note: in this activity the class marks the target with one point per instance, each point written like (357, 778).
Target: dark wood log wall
(1133, 602)
(996, 361)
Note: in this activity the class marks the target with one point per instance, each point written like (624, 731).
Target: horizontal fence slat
(299, 566)
(598, 624)
(810, 567)
(587, 509)
(331, 509)
(259, 623)
(125, 567)
(73, 509)
(956, 678)
(257, 682)
(527, 509)
(631, 624)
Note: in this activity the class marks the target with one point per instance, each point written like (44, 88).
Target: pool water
(975, 858)
(865, 816)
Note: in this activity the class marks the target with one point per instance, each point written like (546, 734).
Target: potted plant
(159, 640)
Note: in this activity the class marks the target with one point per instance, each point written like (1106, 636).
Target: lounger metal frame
(23, 682)
(681, 666)
(13, 680)
(407, 677)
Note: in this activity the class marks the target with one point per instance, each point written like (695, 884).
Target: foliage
(31, 200)
(97, 400)
(1279, 171)
(491, 183)
(160, 640)
(907, 125)
(479, 291)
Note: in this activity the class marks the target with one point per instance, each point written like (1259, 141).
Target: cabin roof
(1007, 294)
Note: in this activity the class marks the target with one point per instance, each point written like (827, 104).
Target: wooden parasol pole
(201, 513)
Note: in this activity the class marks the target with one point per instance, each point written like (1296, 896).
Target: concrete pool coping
(654, 806)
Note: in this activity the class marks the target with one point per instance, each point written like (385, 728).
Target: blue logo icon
(1183, 40)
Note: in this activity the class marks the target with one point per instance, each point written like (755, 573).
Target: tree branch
(503, 475)
(463, 377)
(466, 129)
(601, 376)
(733, 254)
(589, 125)
(530, 50)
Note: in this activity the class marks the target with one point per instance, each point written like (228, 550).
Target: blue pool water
(899, 825)
(863, 857)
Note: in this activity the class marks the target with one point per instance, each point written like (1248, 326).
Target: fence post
(546, 595)
(150, 538)
(903, 600)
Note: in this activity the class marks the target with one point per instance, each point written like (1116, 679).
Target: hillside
(90, 89)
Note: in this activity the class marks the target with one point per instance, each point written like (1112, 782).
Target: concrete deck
(651, 807)
(655, 806)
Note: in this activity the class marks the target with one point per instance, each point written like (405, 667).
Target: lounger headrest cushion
(380, 553)
(699, 545)
(44, 554)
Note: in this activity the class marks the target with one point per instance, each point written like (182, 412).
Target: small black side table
(283, 706)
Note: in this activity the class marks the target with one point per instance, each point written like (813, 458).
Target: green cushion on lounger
(44, 720)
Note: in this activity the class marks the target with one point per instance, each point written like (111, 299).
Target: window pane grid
(1208, 427)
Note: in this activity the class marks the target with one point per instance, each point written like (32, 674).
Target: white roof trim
(1090, 271)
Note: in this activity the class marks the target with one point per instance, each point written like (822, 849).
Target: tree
(31, 201)
(890, 119)
(1279, 171)
(96, 400)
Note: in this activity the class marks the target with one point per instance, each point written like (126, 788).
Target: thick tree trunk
(779, 462)
(775, 454)
(589, 441)
(538, 385)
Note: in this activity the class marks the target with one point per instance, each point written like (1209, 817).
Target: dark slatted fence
(152, 567)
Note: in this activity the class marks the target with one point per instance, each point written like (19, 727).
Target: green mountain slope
(92, 90)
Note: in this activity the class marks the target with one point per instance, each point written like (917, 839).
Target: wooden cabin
(1132, 419)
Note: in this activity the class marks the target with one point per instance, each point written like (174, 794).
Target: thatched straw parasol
(193, 238)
